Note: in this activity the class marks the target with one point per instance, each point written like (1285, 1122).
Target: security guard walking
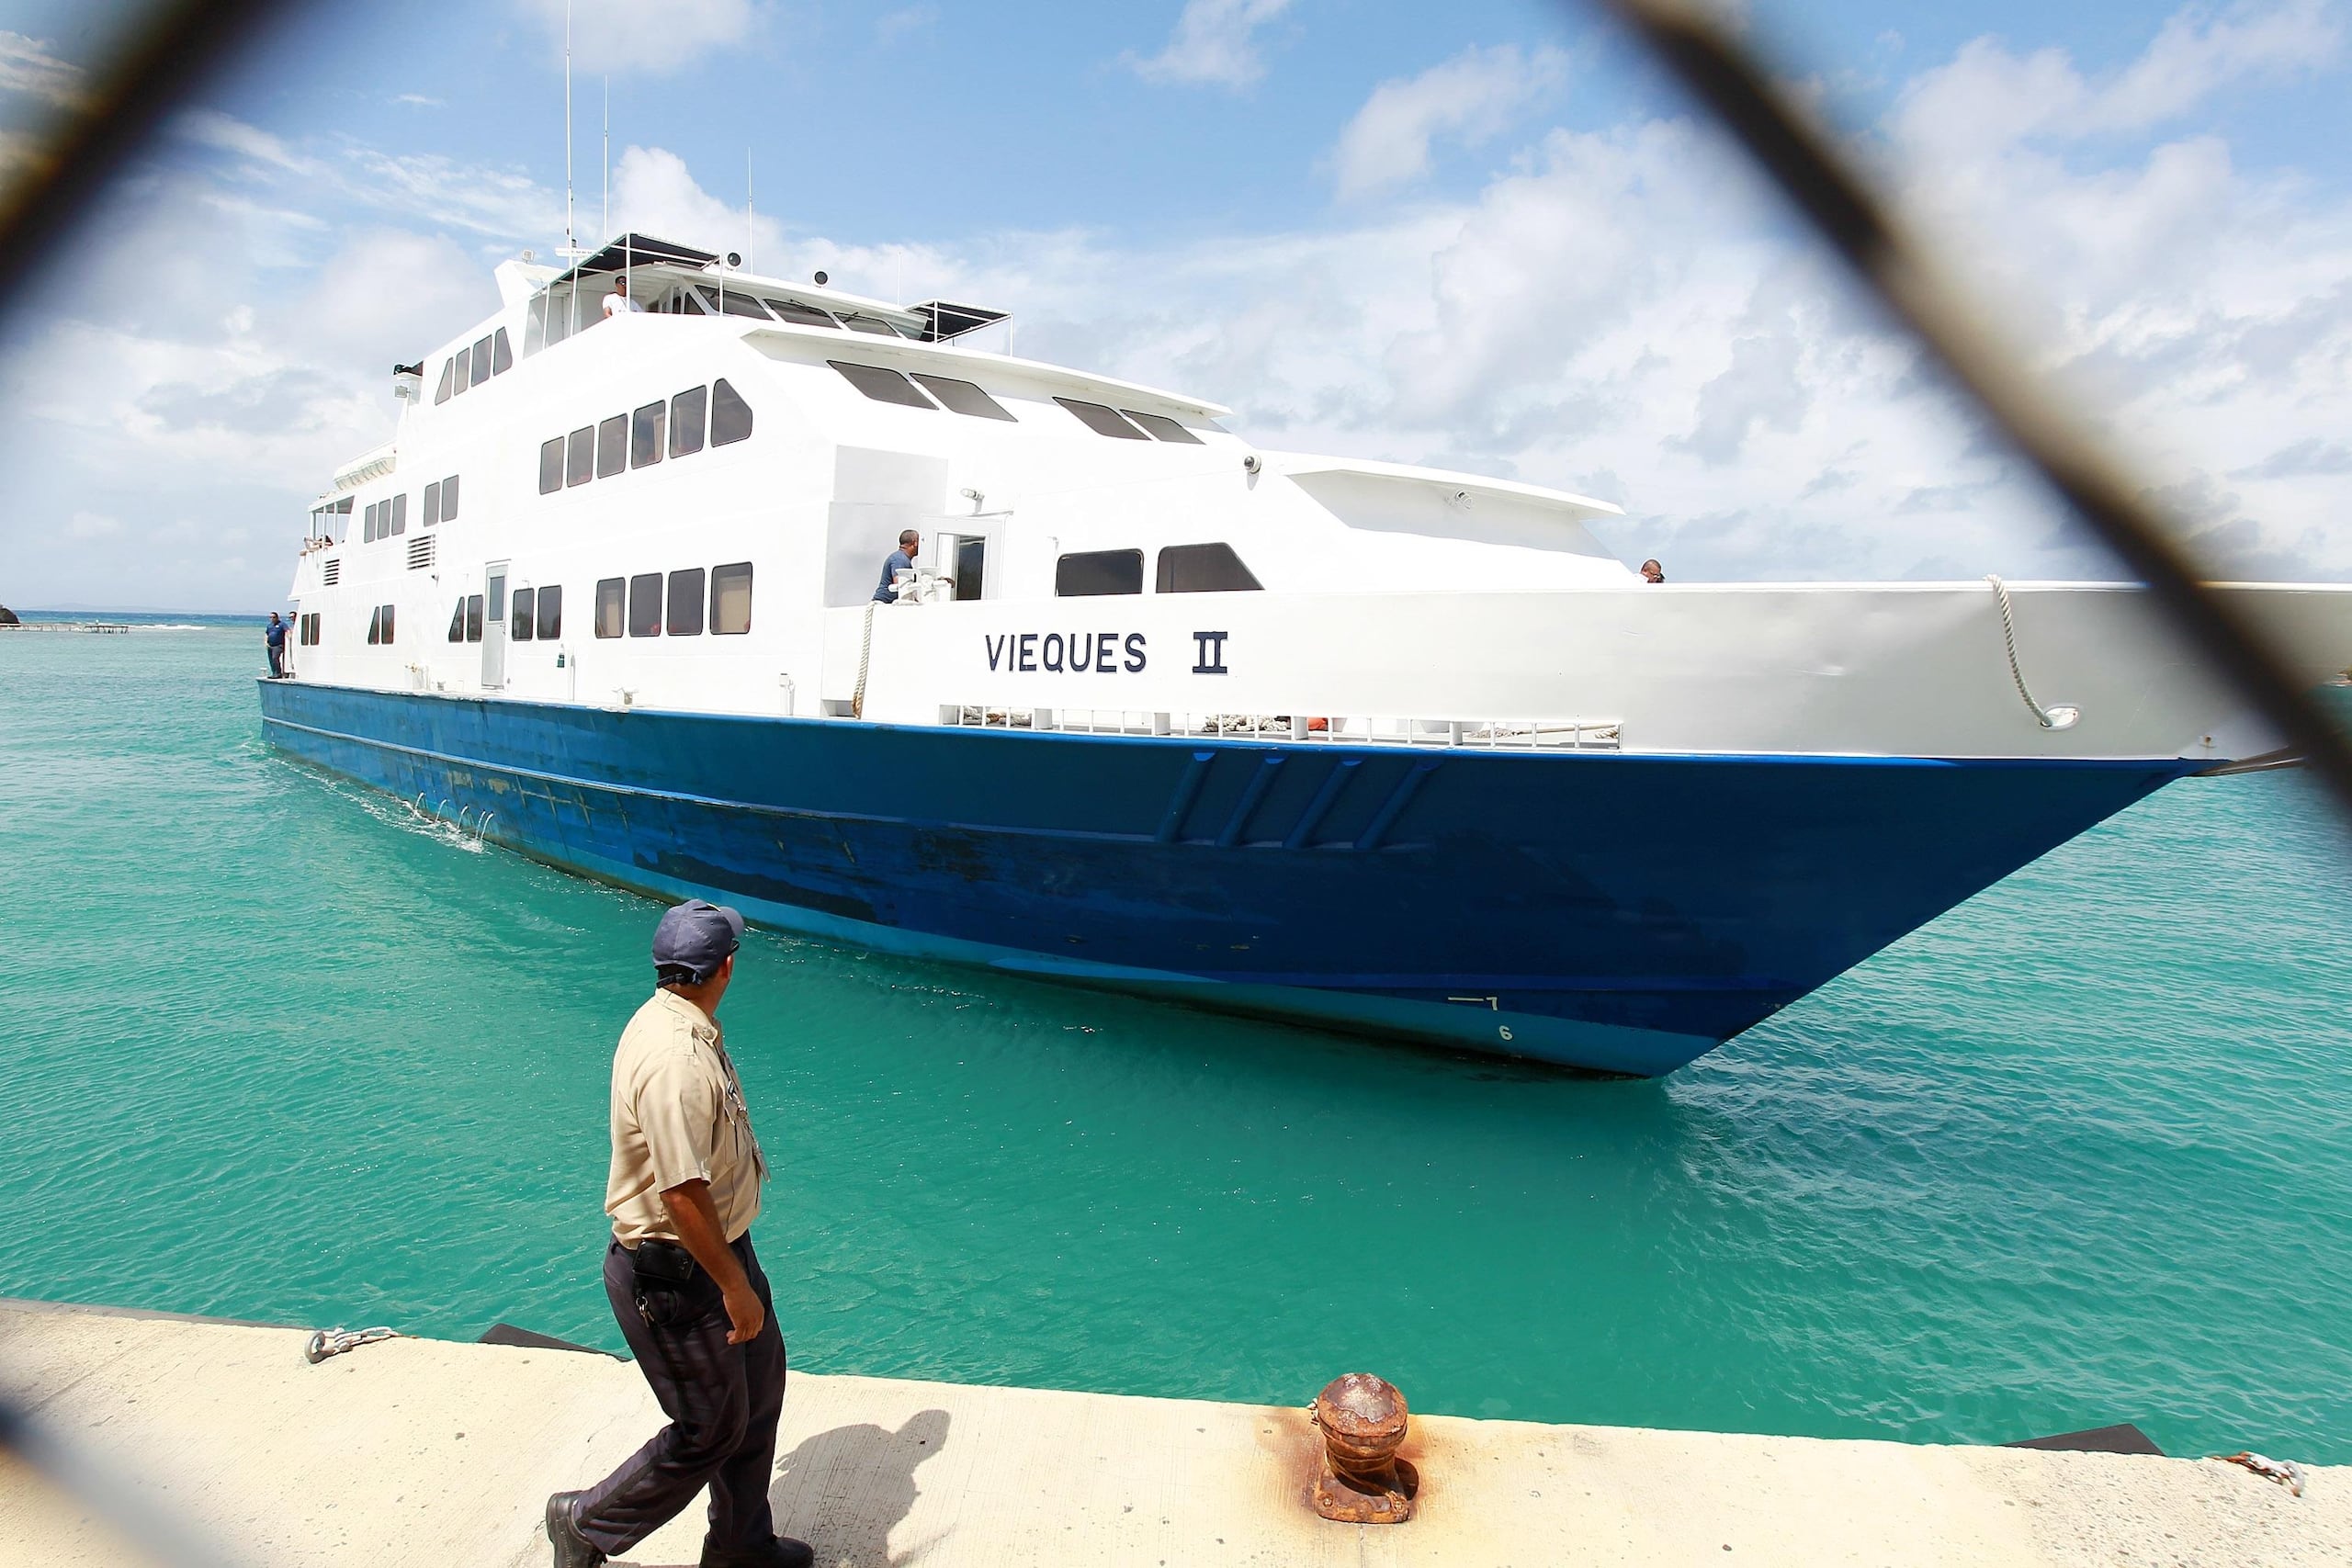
(686, 1286)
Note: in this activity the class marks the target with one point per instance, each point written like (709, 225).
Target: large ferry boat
(1397, 751)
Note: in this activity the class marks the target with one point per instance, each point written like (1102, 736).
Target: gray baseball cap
(697, 935)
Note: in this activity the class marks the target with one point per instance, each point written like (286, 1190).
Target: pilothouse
(1382, 748)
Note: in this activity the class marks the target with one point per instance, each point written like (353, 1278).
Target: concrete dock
(425, 1452)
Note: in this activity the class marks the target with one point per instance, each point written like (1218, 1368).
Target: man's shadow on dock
(845, 1490)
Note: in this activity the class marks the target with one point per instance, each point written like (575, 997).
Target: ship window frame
(612, 446)
(552, 461)
(645, 591)
(883, 384)
(458, 621)
(432, 505)
(448, 368)
(449, 498)
(580, 456)
(651, 419)
(463, 361)
(793, 313)
(550, 616)
(1174, 559)
(501, 353)
(722, 391)
(1087, 560)
(521, 613)
(682, 443)
(964, 392)
(1152, 424)
(722, 582)
(482, 360)
(612, 594)
(1111, 422)
(473, 618)
(683, 617)
(398, 521)
(375, 619)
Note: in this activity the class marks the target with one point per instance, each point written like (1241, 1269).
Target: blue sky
(1480, 235)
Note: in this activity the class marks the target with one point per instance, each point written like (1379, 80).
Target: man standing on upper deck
(901, 559)
(686, 1286)
(618, 303)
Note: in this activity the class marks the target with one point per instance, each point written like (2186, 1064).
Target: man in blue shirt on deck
(275, 635)
(901, 559)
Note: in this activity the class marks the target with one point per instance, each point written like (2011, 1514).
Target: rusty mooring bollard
(1362, 1482)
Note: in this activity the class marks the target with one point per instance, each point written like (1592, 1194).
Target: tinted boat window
(400, 513)
(473, 618)
(971, 568)
(685, 601)
(1093, 573)
(869, 325)
(882, 386)
(432, 504)
(526, 607)
(465, 357)
(449, 497)
(687, 412)
(612, 446)
(502, 354)
(733, 302)
(375, 623)
(609, 592)
(368, 525)
(481, 362)
(730, 416)
(580, 460)
(961, 397)
(645, 604)
(1167, 429)
(458, 622)
(550, 614)
(1103, 420)
(730, 599)
(1204, 568)
(799, 315)
(645, 434)
(388, 623)
(551, 466)
(441, 392)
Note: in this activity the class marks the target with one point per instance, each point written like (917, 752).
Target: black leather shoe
(572, 1550)
(782, 1551)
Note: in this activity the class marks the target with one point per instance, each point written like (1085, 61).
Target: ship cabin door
(493, 627)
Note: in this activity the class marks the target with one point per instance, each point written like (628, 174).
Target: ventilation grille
(332, 573)
(419, 551)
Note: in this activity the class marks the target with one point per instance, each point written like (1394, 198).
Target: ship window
(612, 446)
(733, 304)
(441, 392)
(1093, 573)
(368, 525)
(730, 599)
(551, 466)
(972, 567)
(400, 513)
(799, 315)
(961, 397)
(458, 621)
(580, 457)
(379, 624)
(526, 609)
(645, 604)
(1167, 429)
(465, 357)
(1204, 568)
(1103, 420)
(502, 354)
(343, 506)
(432, 503)
(730, 416)
(550, 614)
(375, 624)
(473, 618)
(882, 386)
(644, 435)
(481, 362)
(870, 325)
(449, 497)
(685, 601)
(687, 411)
(609, 593)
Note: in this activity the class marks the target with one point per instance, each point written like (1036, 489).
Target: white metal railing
(1352, 729)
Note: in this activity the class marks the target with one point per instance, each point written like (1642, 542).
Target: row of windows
(306, 630)
(380, 623)
(792, 312)
(636, 440)
(886, 386)
(472, 366)
(324, 519)
(650, 605)
(538, 613)
(385, 518)
(1183, 568)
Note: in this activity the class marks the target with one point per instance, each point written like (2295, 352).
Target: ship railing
(1349, 729)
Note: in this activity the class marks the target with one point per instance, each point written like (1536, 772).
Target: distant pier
(428, 1453)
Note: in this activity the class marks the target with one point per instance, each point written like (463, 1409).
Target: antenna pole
(606, 232)
(751, 252)
(570, 244)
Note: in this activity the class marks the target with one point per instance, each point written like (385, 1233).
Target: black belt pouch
(666, 1263)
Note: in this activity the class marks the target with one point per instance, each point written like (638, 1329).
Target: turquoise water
(2076, 1153)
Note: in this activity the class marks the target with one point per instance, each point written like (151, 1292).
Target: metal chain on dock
(2049, 718)
(864, 654)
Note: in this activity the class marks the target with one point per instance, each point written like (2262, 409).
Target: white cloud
(92, 526)
(1214, 43)
(616, 35)
(210, 128)
(27, 66)
(1471, 99)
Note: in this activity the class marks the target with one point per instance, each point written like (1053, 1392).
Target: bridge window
(550, 614)
(963, 396)
(1204, 568)
(526, 603)
(502, 354)
(610, 592)
(883, 386)
(685, 601)
(730, 599)
(1165, 428)
(686, 415)
(645, 604)
(645, 434)
(612, 445)
(551, 466)
(1103, 420)
(441, 392)
(730, 416)
(799, 315)
(580, 457)
(733, 303)
(464, 362)
(1091, 573)
(481, 362)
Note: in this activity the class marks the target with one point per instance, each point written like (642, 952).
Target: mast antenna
(607, 232)
(751, 251)
(570, 245)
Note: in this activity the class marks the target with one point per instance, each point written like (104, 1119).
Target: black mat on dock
(2120, 1438)
(524, 1338)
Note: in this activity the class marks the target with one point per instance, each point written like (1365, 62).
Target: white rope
(2049, 718)
(864, 656)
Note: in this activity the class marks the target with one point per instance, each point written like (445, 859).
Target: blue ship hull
(1616, 913)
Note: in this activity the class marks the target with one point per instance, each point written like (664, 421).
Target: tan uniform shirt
(678, 1115)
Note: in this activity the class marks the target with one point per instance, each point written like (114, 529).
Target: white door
(493, 629)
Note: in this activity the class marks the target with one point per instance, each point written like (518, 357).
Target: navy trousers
(722, 1400)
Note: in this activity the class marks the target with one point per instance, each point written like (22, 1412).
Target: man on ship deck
(686, 1286)
(901, 559)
